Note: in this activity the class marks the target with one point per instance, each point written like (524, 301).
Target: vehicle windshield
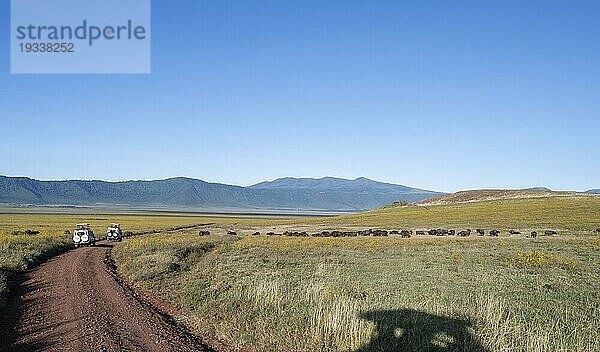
(80, 233)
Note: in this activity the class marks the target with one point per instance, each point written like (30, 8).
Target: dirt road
(75, 303)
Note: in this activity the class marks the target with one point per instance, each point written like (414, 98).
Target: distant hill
(593, 191)
(492, 194)
(287, 193)
(537, 189)
(360, 184)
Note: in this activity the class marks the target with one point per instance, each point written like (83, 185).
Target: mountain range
(328, 193)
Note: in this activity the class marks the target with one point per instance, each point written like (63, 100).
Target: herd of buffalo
(384, 233)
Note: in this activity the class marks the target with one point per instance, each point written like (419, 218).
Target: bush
(26, 232)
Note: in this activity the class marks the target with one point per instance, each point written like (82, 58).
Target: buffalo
(420, 233)
(379, 233)
(550, 233)
(438, 232)
(406, 233)
(533, 234)
(256, 233)
(232, 233)
(464, 233)
(480, 232)
(451, 232)
(203, 233)
(295, 234)
(333, 234)
(514, 232)
(494, 233)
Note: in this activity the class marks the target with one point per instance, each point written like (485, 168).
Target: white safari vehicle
(114, 233)
(83, 236)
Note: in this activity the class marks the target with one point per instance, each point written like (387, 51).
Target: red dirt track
(75, 302)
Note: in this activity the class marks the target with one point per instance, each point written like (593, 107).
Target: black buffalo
(379, 233)
(406, 233)
(464, 233)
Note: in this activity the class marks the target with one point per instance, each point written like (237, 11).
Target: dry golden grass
(341, 294)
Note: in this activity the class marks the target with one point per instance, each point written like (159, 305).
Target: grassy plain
(360, 294)
(561, 213)
(19, 252)
(378, 294)
(389, 294)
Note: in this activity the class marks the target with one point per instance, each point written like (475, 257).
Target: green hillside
(328, 193)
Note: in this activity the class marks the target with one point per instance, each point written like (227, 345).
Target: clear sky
(443, 95)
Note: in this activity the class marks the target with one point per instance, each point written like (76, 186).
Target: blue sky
(434, 94)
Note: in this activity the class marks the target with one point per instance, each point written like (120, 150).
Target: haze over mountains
(328, 193)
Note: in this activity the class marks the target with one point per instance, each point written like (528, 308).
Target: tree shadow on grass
(413, 330)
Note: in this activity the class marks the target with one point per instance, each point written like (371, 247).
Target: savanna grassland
(275, 293)
(562, 213)
(20, 251)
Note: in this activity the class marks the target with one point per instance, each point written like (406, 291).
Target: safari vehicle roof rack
(112, 224)
(82, 226)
